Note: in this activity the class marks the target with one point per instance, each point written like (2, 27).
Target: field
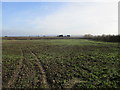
(60, 63)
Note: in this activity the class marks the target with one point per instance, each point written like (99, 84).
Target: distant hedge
(107, 38)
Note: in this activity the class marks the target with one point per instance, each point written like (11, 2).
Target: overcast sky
(53, 18)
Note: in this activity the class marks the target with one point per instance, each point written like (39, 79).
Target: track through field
(43, 80)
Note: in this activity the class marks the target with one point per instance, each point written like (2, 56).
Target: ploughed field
(60, 63)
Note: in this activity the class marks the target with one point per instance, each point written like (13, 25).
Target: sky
(54, 18)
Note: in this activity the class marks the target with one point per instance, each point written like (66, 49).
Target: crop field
(60, 63)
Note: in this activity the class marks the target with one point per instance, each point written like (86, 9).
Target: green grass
(95, 64)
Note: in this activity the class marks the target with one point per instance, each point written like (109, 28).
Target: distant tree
(88, 36)
(106, 38)
(6, 36)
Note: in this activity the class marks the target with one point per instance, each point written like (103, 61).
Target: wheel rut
(43, 78)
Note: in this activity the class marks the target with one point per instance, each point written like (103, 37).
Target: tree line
(107, 38)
